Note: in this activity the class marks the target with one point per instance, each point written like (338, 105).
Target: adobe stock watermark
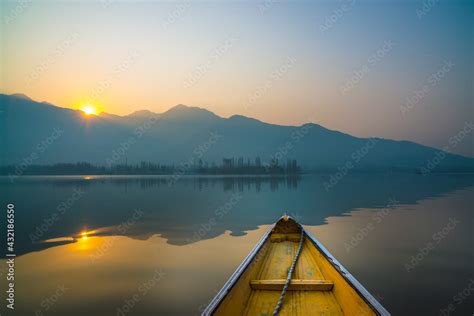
(284, 149)
(362, 310)
(106, 3)
(275, 76)
(453, 142)
(196, 74)
(431, 245)
(336, 15)
(19, 9)
(109, 242)
(52, 58)
(142, 290)
(431, 82)
(120, 152)
(266, 5)
(39, 149)
(219, 213)
(117, 71)
(47, 303)
(198, 153)
(375, 220)
(372, 61)
(61, 209)
(203, 305)
(356, 157)
(426, 7)
(258, 256)
(458, 299)
(296, 216)
(176, 14)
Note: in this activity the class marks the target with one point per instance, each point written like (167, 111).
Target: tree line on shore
(227, 166)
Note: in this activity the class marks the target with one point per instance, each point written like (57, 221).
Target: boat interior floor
(310, 292)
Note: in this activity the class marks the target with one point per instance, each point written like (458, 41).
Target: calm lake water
(140, 246)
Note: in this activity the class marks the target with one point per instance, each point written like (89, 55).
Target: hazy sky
(395, 69)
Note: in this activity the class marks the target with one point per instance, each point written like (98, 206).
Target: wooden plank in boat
(285, 237)
(295, 285)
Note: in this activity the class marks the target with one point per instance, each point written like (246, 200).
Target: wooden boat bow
(320, 285)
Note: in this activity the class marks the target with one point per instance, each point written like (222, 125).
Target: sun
(88, 109)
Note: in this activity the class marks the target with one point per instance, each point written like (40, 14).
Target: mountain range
(41, 133)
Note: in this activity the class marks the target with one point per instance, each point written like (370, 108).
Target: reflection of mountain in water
(197, 208)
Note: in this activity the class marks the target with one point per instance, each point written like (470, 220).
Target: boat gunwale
(234, 278)
(351, 280)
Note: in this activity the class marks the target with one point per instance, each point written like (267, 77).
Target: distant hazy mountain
(40, 133)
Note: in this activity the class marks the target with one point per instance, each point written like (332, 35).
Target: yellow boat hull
(319, 284)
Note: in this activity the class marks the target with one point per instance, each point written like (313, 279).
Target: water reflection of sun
(86, 240)
(84, 235)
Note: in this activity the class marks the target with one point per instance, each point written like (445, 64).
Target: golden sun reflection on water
(110, 269)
